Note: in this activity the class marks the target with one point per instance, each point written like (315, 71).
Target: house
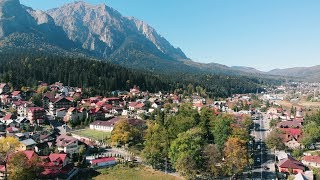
(114, 101)
(289, 124)
(22, 107)
(4, 88)
(198, 106)
(16, 95)
(2, 171)
(156, 105)
(43, 148)
(30, 154)
(299, 112)
(11, 130)
(5, 100)
(55, 160)
(135, 90)
(47, 98)
(57, 103)
(97, 113)
(36, 115)
(313, 161)
(74, 114)
(288, 164)
(292, 137)
(281, 155)
(9, 116)
(135, 106)
(27, 144)
(106, 126)
(57, 166)
(21, 136)
(60, 113)
(307, 175)
(102, 162)
(67, 144)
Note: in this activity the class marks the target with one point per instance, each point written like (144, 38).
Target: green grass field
(136, 173)
(93, 134)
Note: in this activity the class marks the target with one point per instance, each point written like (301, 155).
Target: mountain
(23, 27)
(104, 30)
(247, 69)
(96, 31)
(305, 73)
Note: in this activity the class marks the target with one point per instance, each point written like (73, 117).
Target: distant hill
(247, 69)
(304, 73)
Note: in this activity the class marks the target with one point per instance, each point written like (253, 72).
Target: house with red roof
(103, 162)
(11, 130)
(55, 160)
(57, 166)
(30, 154)
(114, 101)
(288, 164)
(16, 95)
(312, 161)
(97, 113)
(292, 137)
(133, 106)
(9, 116)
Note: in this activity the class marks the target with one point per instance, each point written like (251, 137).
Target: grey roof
(28, 142)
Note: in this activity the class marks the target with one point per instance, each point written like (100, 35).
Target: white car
(258, 159)
(258, 147)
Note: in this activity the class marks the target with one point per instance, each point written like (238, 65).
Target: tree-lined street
(263, 158)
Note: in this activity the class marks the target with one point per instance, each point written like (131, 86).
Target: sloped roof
(64, 140)
(315, 159)
(29, 154)
(28, 142)
(290, 162)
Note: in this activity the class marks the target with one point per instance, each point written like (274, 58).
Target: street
(263, 158)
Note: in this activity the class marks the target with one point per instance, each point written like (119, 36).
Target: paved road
(262, 156)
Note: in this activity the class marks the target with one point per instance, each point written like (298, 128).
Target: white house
(106, 126)
(67, 144)
(313, 161)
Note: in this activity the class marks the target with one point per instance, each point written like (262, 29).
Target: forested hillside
(27, 69)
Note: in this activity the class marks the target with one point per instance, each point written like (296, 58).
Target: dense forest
(28, 69)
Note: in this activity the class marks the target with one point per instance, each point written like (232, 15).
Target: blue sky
(264, 34)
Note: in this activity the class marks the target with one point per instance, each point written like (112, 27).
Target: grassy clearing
(93, 134)
(121, 172)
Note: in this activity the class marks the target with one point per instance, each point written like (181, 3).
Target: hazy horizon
(265, 35)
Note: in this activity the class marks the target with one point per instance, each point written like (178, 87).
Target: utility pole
(166, 164)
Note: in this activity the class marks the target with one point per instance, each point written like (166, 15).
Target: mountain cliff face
(13, 18)
(104, 30)
(24, 27)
